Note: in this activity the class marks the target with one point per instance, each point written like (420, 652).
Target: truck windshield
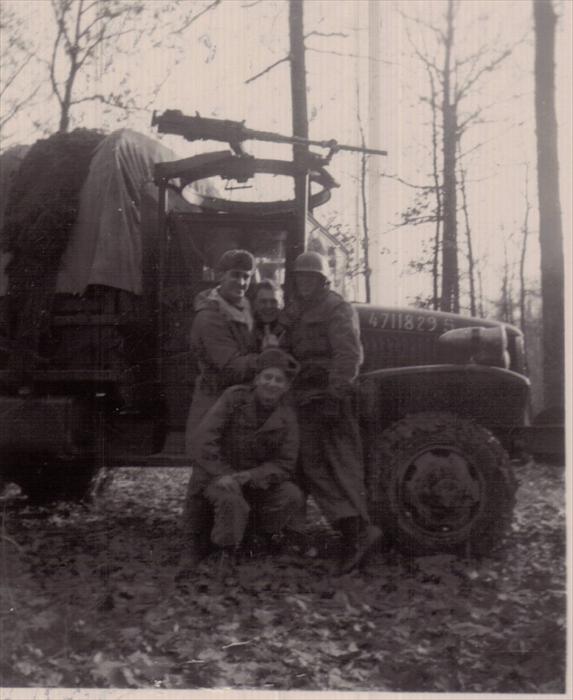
(201, 239)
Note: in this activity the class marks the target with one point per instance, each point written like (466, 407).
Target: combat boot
(357, 546)
(227, 561)
(194, 551)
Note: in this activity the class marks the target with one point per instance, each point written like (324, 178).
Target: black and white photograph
(285, 361)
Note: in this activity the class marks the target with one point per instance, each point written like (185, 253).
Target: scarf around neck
(239, 314)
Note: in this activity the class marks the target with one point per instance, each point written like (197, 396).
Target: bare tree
(550, 229)
(523, 253)
(16, 59)
(89, 36)
(85, 30)
(363, 178)
(299, 115)
(453, 76)
(450, 274)
(469, 242)
(437, 191)
(506, 303)
(481, 307)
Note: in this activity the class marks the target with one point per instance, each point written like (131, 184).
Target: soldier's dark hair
(274, 357)
(266, 283)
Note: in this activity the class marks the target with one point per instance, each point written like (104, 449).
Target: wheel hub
(440, 489)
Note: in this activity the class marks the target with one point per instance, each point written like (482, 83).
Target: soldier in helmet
(323, 335)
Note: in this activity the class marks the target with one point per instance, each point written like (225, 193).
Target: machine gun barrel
(197, 128)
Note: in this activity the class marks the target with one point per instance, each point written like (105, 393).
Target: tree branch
(60, 10)
(15, 74)
(77, 34)
(416, 20)
(461, 92)
(327, 34)
(112, 101)
(17, 107)
(493, 138)
(351, 55)
(488, 68)
(52, 65)
(430, 65)
(284, 59)
(85, 32)
(397, 178)
(101, 39)
(194, 18)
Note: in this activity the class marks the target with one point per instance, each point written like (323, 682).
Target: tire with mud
(440, 483)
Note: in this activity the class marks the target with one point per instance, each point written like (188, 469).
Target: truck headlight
(484, 346)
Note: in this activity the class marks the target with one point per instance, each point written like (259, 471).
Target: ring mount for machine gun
(241, 166)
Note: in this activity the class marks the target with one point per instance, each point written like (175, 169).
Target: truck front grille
(387, 349)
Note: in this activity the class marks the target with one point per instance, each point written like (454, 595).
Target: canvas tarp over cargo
(105, 245)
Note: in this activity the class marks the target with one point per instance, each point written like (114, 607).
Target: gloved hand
(270, 340)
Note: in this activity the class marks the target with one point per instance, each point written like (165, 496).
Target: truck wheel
(439, 483)
(54, 480)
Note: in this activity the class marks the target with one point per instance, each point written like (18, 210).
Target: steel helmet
(312, 262)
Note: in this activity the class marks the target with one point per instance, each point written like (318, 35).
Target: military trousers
(331, 465)
(228, 512)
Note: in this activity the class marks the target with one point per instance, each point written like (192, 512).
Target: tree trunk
(438, 195)
(66, 100)
(471, 261)
(365, 230)
(64, 119)
(524, 237)
(375, 136)
(299, 119)
(450, 283)
(480, 292)
(365, 243)
(550, 231)
(506, 289)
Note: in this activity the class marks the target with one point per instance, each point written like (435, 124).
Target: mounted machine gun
(198, 128)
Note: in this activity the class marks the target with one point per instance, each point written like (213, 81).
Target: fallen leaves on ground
(90, 599)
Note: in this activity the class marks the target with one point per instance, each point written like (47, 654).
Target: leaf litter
(89, 599)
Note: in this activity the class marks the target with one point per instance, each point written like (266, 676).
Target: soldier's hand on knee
(243, 477)
(228, 483)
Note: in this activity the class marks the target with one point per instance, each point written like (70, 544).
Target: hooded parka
(222, 341)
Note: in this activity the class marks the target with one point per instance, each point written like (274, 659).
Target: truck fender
(490, 395)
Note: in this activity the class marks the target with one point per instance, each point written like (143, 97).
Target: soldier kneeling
(244, 454)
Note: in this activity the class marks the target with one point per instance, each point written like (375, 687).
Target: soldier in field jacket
(244, 455)
(322, 333)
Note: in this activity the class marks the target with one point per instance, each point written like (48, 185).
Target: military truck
(105, 376)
